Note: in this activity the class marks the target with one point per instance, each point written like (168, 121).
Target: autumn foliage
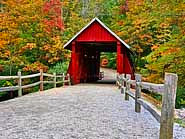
(53, 10)
(33, 32)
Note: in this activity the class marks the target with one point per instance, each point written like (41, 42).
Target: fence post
(54, 80)
(69, 80)
(19, 84)
(128, 77)
(117, 79)
(63, 79)
(41, 80)
(168, 106)
(122, 84)
(138, 93)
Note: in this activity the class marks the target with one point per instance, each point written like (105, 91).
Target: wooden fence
(64, 79)
(168, 92)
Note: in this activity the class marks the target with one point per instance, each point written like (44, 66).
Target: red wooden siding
(96, 33)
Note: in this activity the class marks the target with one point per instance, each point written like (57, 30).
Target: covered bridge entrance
(86, 47)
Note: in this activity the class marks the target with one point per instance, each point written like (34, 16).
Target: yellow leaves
(121, 33)
(53, 59)
(155, 78)
(65, 3)
(4, 53)
(138, 49)
(4, 35)
(30, 46)
(56, 39)
(54, 51)
(138, 22)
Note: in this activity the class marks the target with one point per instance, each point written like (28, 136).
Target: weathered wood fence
(64, 79)
(168, 92)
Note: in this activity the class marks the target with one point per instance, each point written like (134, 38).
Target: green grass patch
(180, 122)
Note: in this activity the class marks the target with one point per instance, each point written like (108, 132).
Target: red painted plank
(95, 33)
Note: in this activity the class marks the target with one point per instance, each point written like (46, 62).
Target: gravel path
(86, 111)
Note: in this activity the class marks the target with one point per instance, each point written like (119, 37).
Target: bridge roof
(104, 26)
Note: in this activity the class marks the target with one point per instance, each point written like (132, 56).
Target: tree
(25, 37)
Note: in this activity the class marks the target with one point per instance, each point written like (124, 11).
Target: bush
(144, 72)
(180, 98)
(59, 68)
(112, 63)
(4, 83)
(111, 59)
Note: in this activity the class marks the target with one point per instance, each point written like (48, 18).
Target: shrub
(180, 98)
(4, 83)
(111, 59)
(59, 68)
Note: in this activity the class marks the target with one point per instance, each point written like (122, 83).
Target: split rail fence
(168, 92)
(64, 79)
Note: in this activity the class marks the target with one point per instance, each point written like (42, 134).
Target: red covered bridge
(86, 47)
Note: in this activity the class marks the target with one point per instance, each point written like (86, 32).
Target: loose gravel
(85, 111)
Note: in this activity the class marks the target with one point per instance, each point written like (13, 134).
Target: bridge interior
(89, 61)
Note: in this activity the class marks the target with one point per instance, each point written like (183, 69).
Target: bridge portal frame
(86, 47)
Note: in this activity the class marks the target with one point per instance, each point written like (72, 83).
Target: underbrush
(180, 98)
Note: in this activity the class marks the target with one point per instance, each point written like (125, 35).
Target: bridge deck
(86, 111)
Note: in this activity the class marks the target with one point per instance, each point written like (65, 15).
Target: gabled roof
(103, 25)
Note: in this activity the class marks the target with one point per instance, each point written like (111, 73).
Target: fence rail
(20, 87)
(168, 92)
(8, 77)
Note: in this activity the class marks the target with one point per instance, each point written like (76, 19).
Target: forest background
(33, 32)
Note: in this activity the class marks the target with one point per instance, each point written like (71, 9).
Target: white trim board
(101, 23)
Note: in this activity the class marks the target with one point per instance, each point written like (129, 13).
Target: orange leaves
(35, 67)
(164, 25)
(154, 47)
(171, 51)
(1, 68)
(7, 53)
(121, 23)
(145, 36)
(28, 46)
(46, 47)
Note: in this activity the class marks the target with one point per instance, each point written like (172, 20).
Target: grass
(2, 94)
(181, 122)
(153, 101)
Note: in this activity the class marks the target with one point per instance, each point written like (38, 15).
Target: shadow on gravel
(105, 82)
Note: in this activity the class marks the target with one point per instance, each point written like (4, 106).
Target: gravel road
(85, 111)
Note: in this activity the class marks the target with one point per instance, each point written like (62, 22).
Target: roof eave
(96, 19)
